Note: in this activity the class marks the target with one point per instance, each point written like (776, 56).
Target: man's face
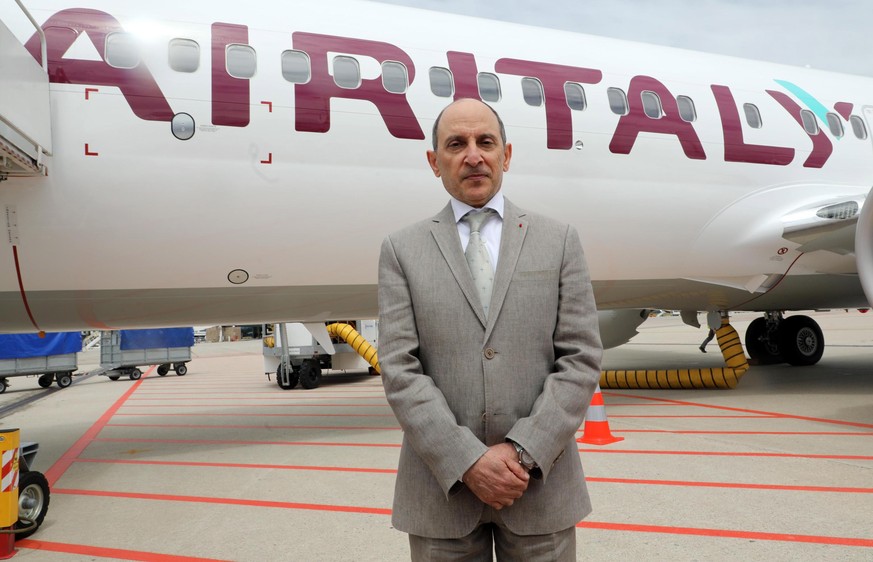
(470, 157)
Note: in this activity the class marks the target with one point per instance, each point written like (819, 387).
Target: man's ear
(432, 160)
(507, 153)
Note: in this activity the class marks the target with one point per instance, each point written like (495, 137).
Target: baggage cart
(52, 358)
(123, 352)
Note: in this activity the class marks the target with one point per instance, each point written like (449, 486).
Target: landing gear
(796, 340)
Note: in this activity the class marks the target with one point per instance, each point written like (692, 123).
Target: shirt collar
(460, 208)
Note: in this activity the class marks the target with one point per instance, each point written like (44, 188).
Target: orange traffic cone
(596, 425)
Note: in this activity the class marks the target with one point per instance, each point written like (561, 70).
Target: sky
(830, 35)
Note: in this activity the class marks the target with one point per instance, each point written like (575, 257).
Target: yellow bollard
(9, 447)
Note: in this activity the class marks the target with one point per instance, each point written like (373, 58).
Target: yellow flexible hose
(721, 377)
(361, 346)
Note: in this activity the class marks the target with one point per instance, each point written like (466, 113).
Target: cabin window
(575, 95)
(184, 55)
(394, 77)
(532, 90)
(489, 87)
(121, 50)
(441, 83)
(241, 61)
(295, 67)
(807, 117)
(835, 124)
(652, 105)
(687, 112)
(346, 72)
(617, 101)
(858, 127)
(753, 116)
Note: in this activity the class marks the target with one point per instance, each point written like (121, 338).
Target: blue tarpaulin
(20, 346)
(156, 339)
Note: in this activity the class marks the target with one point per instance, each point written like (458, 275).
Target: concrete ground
(222, 464)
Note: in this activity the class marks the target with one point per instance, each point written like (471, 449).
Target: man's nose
(473, 156)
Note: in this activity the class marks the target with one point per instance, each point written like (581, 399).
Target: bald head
(436, 124)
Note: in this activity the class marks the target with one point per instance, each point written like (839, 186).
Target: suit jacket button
(490, 353)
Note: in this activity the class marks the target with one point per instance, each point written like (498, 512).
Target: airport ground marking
(729, 454)
(103, 552)
(257, 466)
(726, 533)
(738, 432)
(259, 414)
(241, 442)
(249, 426)
(669, 401)
(732, 485)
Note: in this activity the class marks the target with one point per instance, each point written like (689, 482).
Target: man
(489, 379)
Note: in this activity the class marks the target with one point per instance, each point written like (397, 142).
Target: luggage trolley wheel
(114, 377)
(163, 369)
(135, 374)
(3, 384)
(181, 369)
(64, 379)
(46, 380)
(33, 501)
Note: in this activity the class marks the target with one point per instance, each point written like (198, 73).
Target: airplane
(170, 164)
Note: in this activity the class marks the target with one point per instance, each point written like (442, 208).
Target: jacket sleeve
(560, 409)
(429, 425)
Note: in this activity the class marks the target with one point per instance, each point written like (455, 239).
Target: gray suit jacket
(459, 384)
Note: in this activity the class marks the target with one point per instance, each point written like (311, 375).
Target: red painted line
(269, 105)
(261, 405)
(60, 467)
(242, 442)
(736, 485)
(727, 417)
(88, 92)
(725, 533)
(247, 426)
(701, 432)
(665, 401)
(102, 552)
(21, 288)
(729, 454)
(269, 159)
(242, 465)
(274, 396)
(88, 151)
(226, 501)
(261, 414)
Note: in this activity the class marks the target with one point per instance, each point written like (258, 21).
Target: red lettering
(559, 120)
(821, 146)
(465, 74)
(735, 149)
(230, 95)
(313, 98)
(636, 121)
(137, 84)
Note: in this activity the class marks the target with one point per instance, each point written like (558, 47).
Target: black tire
(293, 377)
(114, 377)
(163, 369)
(181, 369)
(46, 380)
(135, 374)
(4, 384)
(310, 374)
(765, 351)
(801, 341)
(33, 501)
(64, 379)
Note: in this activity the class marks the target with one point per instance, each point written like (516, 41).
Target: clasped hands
(497, 478)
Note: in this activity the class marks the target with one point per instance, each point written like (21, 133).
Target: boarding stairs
(25, 109)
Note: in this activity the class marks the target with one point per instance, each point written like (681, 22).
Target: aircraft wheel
(801, 340)
(135, 374)
(310, 374)
(33, 501)
(163, 369)
(293, 377)
(759, 347)
(181, 369)
(64, 379)
(46, 380)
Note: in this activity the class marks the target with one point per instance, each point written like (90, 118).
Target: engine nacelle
(864, 247)
(619, 326)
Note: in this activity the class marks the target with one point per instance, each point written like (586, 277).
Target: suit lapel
(515, 225)
(445, 233)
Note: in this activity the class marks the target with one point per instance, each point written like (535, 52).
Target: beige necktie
(478, 258)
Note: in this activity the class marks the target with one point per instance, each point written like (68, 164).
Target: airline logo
(231, 100)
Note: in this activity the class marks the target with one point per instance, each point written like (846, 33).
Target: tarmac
(222, 464)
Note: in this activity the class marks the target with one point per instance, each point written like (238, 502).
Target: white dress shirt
(492, 228)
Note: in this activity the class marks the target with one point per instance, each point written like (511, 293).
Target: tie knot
(476, 218)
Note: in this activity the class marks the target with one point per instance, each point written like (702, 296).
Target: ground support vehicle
(123, 352)
(52, 358)
(33, 493)
(295, 354)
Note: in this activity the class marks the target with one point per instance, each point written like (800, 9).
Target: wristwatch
(524, 458)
